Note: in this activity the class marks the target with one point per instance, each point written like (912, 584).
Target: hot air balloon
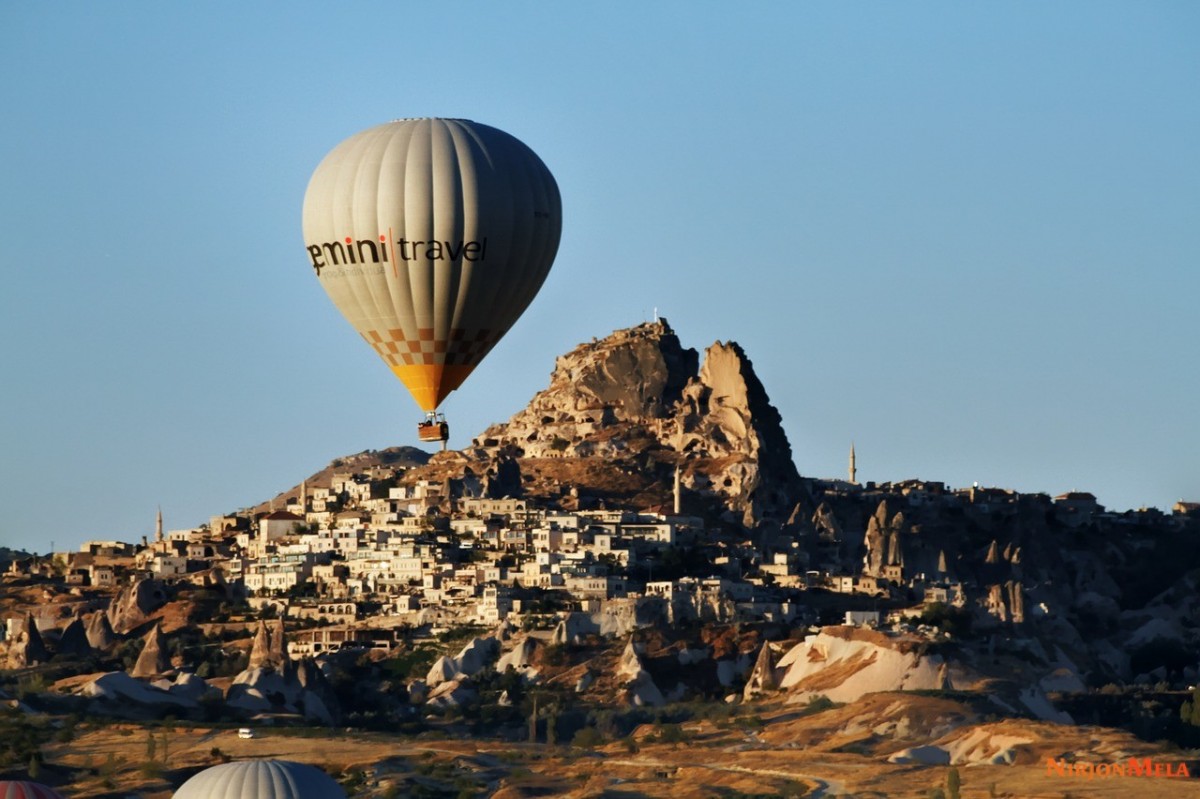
(432, 236)
(261, 779)
(10, 789)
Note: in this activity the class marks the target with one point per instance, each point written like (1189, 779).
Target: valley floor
(820, 755)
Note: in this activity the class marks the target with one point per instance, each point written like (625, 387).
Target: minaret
(678, 490)
(853, 468)
(303, 497)
(158, 531)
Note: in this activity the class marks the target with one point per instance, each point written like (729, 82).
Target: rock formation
(875, 542)
(476, 655)
(502, 478)
(637, 682)
(621, 383)
(269, 649)
(505, 631)
(117, 693)
(863, 661)
(27, 648)
(314, 683)
(262, 690)
(134, 603)
(639, 395)
(100, 635)
(726, 417)
(520, 658)
(153, 659)
(764, 678)
(1006, 602)
(74, 640)
(451, 694)
(442, 670)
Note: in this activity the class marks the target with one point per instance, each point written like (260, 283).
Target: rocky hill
(1091, 596)
(1022, 602)
(638, 399)
(389, 458)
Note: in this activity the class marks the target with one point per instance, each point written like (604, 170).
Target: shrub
(587, 738)
(672, 734)
(956, 621)
(953, 783)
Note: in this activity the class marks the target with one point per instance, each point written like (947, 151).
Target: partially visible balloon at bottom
(21, 789)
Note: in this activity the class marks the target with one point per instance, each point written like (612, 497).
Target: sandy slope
(841, 750)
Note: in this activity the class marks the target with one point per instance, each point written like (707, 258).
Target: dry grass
(841, 750)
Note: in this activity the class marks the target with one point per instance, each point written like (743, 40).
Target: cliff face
(134, 604)
(724, 417)
(602, 396)
(153, 659)
(639, 395)
(27, 648)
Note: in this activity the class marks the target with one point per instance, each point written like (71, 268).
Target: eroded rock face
(74, 639)
(471, 659)
(863, 661)
(631, 377)
(726, 417)
(638, 395)
(262, 690)
(269, 649)
(637, 373)
(764, 678)
(117, 693)
(520, 658)
(100, 635)
(639, 687)
(27, 648)
(134, 603)
(153, 659)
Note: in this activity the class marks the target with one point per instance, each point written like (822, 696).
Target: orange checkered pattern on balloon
(463, 348)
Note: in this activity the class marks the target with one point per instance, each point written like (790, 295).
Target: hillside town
(370, 548)
(642, 486)
(634, 547)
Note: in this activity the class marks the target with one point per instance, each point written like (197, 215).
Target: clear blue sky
(964, 236)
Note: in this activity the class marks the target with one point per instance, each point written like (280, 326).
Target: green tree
(953, 783)
(1189, 711)
(672, 734)
(551, 726)
(587, 738)
(108, 770)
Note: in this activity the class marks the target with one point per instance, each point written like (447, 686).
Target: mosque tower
(678, 493)
(853, 466)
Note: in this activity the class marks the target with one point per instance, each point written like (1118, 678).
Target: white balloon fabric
(261, 779)
(432, 236)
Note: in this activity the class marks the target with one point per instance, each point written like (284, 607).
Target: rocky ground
(765, 749)
(714, 711)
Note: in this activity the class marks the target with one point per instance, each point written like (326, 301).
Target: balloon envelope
(261, 779)
(432, 236)
(26, 790)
